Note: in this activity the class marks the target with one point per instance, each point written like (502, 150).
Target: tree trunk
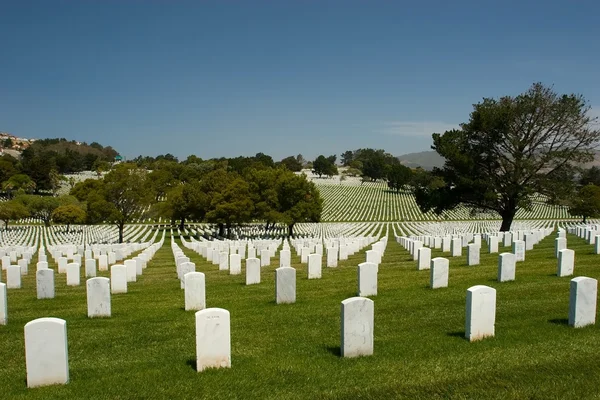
(121, 227)
(507, 219)
(182, 223)
(291, 230)
(584, 219)
(67, 228)
(221, 229)
(228, 231)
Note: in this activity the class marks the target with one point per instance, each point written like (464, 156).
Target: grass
(147, 349)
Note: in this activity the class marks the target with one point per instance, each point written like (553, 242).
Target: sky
(228, 78)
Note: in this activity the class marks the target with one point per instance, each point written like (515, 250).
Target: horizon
(234, 79)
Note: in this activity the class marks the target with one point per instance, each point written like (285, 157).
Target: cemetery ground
(292, 351)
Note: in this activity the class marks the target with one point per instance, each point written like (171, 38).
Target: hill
(424, 159)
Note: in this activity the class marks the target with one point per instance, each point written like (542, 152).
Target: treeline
(42, 164)
(226, 192)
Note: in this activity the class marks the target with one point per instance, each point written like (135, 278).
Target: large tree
(299, 200)
(511, 150)
(586, 203)
(69, 214)
(325, 166)
(398, 176)
(12, 210)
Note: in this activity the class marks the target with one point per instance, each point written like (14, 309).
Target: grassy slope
(147, 349)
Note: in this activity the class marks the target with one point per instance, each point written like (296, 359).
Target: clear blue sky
(228, 78)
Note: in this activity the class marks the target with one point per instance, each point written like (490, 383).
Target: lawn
(147, 349)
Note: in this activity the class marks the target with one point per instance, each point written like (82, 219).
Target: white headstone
(213, 339)
(235, 264)
(73, 274)
(285, 285)
(559, 244)
(332, 257)
(518, 249)
(252, 271)
(131, 267)
(438, 277)
(582, 301)
(90, 267)
(456, 247)
(3, 305)
(46, 353)
(103, 262)
(357, 317)
(41, 265)
(223, 261)
(45, 283)
(62, 265)
(98, 297)
(480, 312)
(367, 279)
(314, 266)
(472, 254)
(24, 266)
(566, 262)
(13, 277)
(195, 291)
(424, 257)
(506, 267)
(285, 258)
(118, 279)
(492, 244)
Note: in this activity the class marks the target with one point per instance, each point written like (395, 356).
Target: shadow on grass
(335, 350)
(559, 321)
(458, 334)
(192, 363)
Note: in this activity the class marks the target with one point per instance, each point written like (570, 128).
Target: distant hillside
(425, 159)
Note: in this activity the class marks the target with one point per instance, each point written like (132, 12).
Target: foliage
(511, 149)
(292, 163)
(299, 200)
(19, 183)
(325, 166)
(69, 214)
(398, 176)
(590, 176)
(11, 211)
(586, 203)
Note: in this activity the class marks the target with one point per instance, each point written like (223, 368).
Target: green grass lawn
(147, 349)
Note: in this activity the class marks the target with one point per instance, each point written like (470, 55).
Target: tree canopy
(511, 149)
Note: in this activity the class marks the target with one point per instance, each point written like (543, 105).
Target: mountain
(424, 159)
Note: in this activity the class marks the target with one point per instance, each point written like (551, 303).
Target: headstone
(45, 283)
(285, 258)
(492, 244)
(506, 267)
(357, 318)
(103, 262)
(559, 244)
(98, 297)
(480, 312)
(195, 291)
(3, 304)
(90, 267)
(223, 261)
(332, 257)
(472, 254)
(13, 277)
(566, 262)
(304, 253)
(5, 262)
(41, 265)
(367, 279)
(456, 247)
(372, 256)
(314, 266)
(131, 267)
(118, 279)
(446, 244)
(46, 353)
(518, 249)
(596, 245)
(73, 274)
(252, 271)
(185, 268)
(507, 239)
(24, 266)
(424, 256)
(285, 285)
(235, 264)
(62, 265)
(582, 301)
(438, 277)
(213, 338)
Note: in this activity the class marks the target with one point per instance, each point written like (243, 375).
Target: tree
(510, 150)
(11, 211)
(19, 183)
(124, 196)
(587, 202)
(185, 201)
(40, 207)
(325, 166)
(232, 205)
(398, 176)
(299, 200)
(347, 158)
(7, 143)
(69, 214)
(292, 164)
(590, 176)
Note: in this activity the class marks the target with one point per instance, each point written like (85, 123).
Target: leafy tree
(590, 176)
(511, 149)
(586, 203)
(299, 200)
(231, 205)
(347, 158)
(185, 201)
(325, 166)
(11, 211)
(40, 207)
(69, 214)
(124, 196)
(8, 167)
(263, 192)
(398, 176)
(292, 164)
(7, 143)
(19, 183)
